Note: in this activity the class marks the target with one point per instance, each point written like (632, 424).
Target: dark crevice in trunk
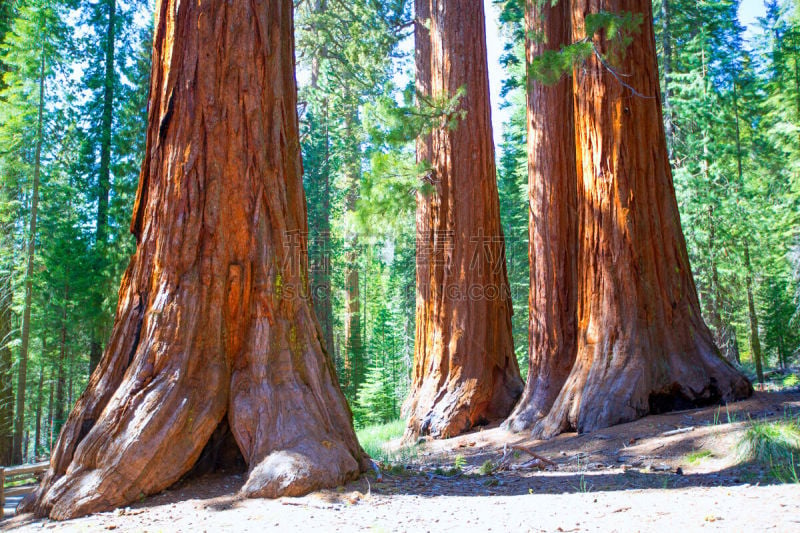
(220, 455)
(674, 398)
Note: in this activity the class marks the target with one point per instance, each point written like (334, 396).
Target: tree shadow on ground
(627, 457)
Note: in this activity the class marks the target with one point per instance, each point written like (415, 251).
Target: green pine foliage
(359, 184)
(734, 170)
(69, 271)
(512, 176)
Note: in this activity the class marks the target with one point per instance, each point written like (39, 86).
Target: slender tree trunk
(553, 221)
(755, 343)
(50, 413)
(321, 276)
(796, 57)
(724, 334)
(19, 424)
(6, 368)
(104, 180)
(465, 371)
(215, 328)
(355, 360)
(6, 301)
(37, 435)
(326, 294)
(71, 375)
(642, 344)
(722, 331)
(713, 298)
(61, 382)
(666, 41)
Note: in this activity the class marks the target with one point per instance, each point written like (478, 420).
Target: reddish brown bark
(642, 344)
(214, 325)
(354, 353)
(553, 220)
(465, 372)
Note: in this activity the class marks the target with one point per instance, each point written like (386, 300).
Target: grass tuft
(791, 380)
(375, 438)
(698, 455)
(486, 468)
(775, 445)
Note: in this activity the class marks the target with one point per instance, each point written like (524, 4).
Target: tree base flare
(586, 406)
(303, 469)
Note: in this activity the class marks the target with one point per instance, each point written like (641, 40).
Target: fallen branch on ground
(677, 431)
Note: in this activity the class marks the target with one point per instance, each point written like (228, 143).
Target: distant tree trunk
(355, 363)
(61, 381)
(724, 335)
(37, 435)
(6, 301)
(465, 371)
(324, 301)
(642, 344)
(796, 76)
(722, 331)
(6, 369)
(755, 342)
(49, 422)
(104, 180)
(553, 210)
(71, 375)
(214, 326)
(321, 275)
(666, 42)
(22, 376)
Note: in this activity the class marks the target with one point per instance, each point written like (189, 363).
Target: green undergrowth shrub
(775, 445)
(374, 440)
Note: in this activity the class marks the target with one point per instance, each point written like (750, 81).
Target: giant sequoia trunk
(553, 220)
(642, 345)
(214, 326)
(465, 372)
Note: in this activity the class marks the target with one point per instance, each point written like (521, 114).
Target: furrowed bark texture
(465, 372)
(642, 344)
(214, 324)
(553, 221)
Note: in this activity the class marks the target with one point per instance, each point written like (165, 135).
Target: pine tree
(31, 53)
(347, 49)
(6, 280)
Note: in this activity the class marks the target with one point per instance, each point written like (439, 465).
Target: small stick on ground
(533, 454)
(677, 431)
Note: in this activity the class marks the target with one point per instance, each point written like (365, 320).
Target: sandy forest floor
(627, 478)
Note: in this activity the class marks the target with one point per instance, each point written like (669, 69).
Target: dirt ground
(631, 477)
